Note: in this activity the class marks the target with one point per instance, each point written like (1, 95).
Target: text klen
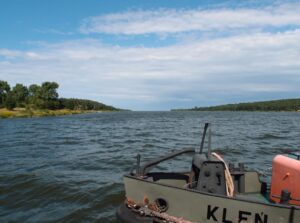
(242, 216)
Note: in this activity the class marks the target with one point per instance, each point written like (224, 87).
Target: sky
(154, 54)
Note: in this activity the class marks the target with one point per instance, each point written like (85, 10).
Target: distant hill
(83, 104)
(274, 105)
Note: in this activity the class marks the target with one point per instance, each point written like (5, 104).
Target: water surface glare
(69, 168)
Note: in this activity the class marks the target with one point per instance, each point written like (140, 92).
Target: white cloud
(175, 21)
(247, 61)
(143, 77)
(10, 53)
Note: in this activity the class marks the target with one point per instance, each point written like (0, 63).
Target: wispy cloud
(254, 54)
(184, 74)
(10, 53)
(53, 31)
(164, 21)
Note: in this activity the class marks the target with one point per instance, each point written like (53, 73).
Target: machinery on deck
(212, 191)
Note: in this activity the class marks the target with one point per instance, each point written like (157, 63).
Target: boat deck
(258, 197)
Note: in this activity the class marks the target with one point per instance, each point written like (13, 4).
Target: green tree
(20, 93)
(4, 89)
(34, 98)
(82, 104)
(34, 90)
(10, 101)
(49, 95)
(49, 91)
(44, 96)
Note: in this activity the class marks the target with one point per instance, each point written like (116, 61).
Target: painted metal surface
(207, 208)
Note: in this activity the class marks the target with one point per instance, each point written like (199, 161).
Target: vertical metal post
(209, 141)
(138, 164)
(203, 137)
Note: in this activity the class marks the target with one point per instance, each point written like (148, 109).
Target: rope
(228, 178)
(152, 211)
(170, 218)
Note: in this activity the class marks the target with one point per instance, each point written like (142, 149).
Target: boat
(211, 191)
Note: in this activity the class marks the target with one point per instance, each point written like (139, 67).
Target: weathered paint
(193, 206)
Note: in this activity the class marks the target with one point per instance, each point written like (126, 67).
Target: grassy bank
(26, 113)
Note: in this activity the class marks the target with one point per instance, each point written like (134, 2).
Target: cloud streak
(195, 73)
(248, 54)
(167, 21)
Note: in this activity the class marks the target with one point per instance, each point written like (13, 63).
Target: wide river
(69, 168)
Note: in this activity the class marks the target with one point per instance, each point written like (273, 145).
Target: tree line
(274, 105)
(43, 96)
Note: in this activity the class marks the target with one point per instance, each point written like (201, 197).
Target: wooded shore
(43, 100)
(292, 105)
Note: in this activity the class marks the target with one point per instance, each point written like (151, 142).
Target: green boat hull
(196, 206)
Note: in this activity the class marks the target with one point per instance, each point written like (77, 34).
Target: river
(69, 168)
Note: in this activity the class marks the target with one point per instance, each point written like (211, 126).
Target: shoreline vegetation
(43, 100)
(29, 113)
(291, 105)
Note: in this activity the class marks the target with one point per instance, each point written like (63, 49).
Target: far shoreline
(279, 105)
(191, 110)
(36, 113)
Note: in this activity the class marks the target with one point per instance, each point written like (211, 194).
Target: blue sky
(154, 55)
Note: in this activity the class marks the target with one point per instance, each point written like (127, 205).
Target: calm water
(69, 169)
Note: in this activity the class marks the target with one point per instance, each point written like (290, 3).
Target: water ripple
(69, 169)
